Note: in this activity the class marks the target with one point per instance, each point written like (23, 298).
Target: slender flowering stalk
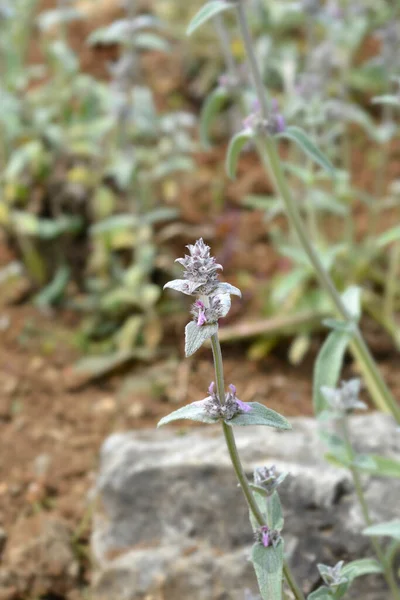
(241, 475)
(200, 279)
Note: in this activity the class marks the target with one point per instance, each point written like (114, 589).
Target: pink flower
(265, 536)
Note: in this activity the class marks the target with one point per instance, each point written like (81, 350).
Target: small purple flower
(201, 319)
(231, 398)
(227, 409)
(280, 123)
(273, 124)
(244, 407)
(265, 536)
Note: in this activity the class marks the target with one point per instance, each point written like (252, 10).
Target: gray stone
(172, 523)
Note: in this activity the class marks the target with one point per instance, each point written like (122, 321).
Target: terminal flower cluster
(268, 478)
(200, 279)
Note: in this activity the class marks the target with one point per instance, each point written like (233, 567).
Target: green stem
(391, 281)
(237, 464)
(389, 576)
(271, 161)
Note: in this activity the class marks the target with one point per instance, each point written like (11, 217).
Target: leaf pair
(291, 133)
(257, 415)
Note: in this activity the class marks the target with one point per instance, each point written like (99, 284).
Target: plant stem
(270, 158)
(388, 572)
(391, 281)
(237, 464)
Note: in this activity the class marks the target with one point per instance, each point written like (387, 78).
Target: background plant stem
(266, 146)
(388, 572)
(237, 465)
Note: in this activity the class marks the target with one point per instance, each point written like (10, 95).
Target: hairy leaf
(260, 415)
(234, 149)
(328, 366)
(390, 529)
(194, 412)
(214, 103)
(196, 336)
(209, 10)
(268, 565)
(383, 466)
(297, 135)
(322, 593)
(360, 567)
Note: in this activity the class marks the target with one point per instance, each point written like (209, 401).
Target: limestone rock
(172, 523)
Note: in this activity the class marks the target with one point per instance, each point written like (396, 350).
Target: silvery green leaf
(360, 567)
(305, 175)
(50, 18)
(261, 503)
(390, 529)
(180, 285)
(194, 412)
(389, 236)
(150, 41)
(195, 336)
(328, 366)
(336, 325)
(260, 415)
(274, 512)
(209, 10)
(268, 565)
(299, 136)
(288, 283)
(211, 107)
(225, 300)
(234, 149)
(227, 288)
(352, 300)
(383, 466)
(145, 21)
(352, 113)
(338, 453)
(322, 200)
(337, 461)
(365, 462)
(114, 223)
(385, 132)
(322, 593)
(388, 99)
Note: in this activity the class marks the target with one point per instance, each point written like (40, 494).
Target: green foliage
(193, 412)
(209, 10)
(82, 163)
(196, 336)
(299, 137)
(235, 147)
(260, 415)
(213, 105)
(389, 529)
(328, 366)
(268, 565)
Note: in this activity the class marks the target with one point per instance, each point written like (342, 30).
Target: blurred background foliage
(95, 161)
